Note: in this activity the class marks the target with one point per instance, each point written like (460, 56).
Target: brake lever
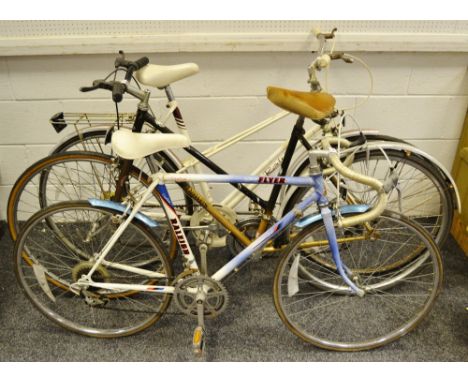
(327, 36)
(97, 84)
(85, 89)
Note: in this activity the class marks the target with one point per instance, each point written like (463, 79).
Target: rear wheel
(78, 176)
(418, 192)
(95, 141)
(57, 247)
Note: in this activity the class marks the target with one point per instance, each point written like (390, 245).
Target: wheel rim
(75, 176)
(116, 314)
(327, 315)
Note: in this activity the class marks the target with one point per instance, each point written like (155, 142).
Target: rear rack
(61, 120)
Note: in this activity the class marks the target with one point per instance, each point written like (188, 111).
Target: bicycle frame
(317, 196)
(266, 167)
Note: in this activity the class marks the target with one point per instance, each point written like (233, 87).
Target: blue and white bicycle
(98, 267)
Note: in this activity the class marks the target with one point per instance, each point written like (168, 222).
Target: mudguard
(344, 210)
(387, 145)
(119, 207)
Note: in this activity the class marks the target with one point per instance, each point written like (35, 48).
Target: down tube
(271, 233)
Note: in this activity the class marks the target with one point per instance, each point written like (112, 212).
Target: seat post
(176, 111)
(183, 130)
(169, 94)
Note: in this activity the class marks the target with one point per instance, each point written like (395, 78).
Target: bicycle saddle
(130, 145)
(160, 76)
(309, 105)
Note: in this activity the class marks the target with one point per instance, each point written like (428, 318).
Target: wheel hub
(101, 274)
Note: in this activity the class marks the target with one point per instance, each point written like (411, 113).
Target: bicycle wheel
(418, 191)
(78, 176)
(317, 306)
(57, 247)
(95, 141)
(90, 140)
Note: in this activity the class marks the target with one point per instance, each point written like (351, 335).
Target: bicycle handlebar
(375, 184)
(323, 60)
(118, 88)
(112, 85)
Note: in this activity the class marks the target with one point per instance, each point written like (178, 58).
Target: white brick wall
(421, 97)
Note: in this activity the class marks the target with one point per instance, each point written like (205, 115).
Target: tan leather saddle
(310, 105)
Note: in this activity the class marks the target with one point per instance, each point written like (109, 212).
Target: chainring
(187, 288)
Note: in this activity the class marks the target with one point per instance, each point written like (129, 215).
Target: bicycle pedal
(198, 341)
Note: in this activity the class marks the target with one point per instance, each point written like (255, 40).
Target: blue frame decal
(162, 189)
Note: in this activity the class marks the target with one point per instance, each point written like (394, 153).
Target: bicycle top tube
(301, 181)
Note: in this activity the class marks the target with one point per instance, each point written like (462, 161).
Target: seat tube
(205, 190)
(296, 133)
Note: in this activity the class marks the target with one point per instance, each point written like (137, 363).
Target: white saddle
(129, 145)
(159, 76)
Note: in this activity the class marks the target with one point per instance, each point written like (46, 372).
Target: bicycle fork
(331, 236)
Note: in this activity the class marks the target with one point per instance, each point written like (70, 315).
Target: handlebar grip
(118, 89)
(140, 63)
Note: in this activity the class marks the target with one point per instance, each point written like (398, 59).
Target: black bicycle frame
(297, 135)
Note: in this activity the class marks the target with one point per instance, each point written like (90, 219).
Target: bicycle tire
(323, 311)
(93, 312)
(19, 208)
(436, 187)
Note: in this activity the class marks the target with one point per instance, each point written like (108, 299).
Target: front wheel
(316, 305)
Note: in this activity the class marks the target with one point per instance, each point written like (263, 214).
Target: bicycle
(90, 268)
(395, 156)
